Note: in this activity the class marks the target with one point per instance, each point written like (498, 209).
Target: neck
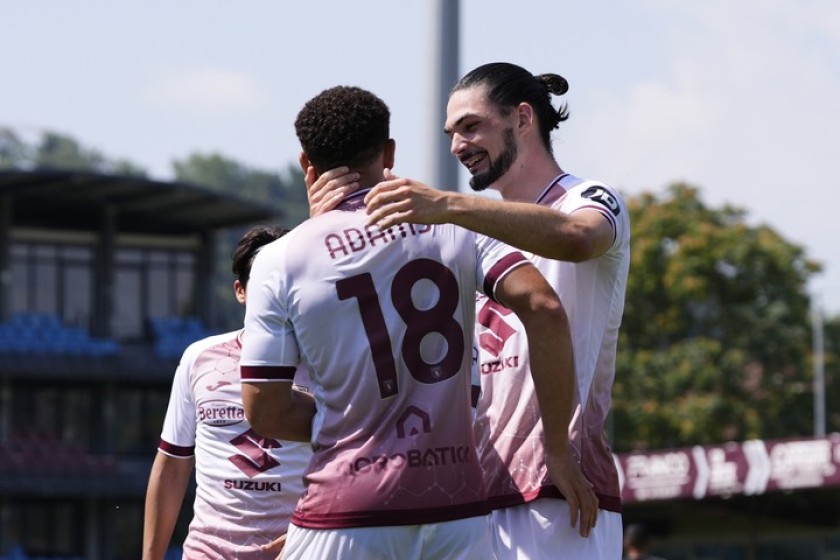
(528, 177)
(370, 175)
(367, 180)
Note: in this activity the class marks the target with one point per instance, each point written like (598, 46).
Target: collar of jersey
(555, 181)
(352, 199)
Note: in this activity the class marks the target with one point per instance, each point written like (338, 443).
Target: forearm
(294, 423)
(526, 226)
(553, 373)
(275, 410)
(164, 496)
(525, 291)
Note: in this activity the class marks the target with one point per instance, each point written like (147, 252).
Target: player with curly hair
(383, 319)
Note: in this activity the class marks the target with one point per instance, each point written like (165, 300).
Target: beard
(498, 166)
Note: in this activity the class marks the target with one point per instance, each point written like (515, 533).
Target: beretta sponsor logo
(220, 413)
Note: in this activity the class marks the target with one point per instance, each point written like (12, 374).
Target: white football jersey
(383, 321)
(246, 485)
(509, 431)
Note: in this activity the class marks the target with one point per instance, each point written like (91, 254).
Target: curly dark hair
(343, 125)
(508, 85)
(248, 246)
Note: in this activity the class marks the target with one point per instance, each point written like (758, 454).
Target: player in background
(499, 119)
(247, 485)
(637, 543)
(383, 322)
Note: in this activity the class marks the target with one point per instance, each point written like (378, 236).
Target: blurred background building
(105, 280)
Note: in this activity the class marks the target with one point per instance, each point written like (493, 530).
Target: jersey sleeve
(269, 346)
(494, 260)
(601, 198)
(177, 438)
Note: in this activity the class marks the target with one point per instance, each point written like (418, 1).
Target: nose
(457, 144)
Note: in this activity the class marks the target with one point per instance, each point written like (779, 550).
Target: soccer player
(247, 485)
(499, 119)
(382, 319)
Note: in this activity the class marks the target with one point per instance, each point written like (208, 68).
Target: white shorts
(462, 539)
(540, 529)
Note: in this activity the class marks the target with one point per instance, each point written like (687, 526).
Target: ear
(239, 290)
(305, 164)
(525, 116)
(388, 153)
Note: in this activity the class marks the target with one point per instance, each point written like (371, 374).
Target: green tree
(14, 152)
(715, 340)
(831, 344)
(55, 151)
(283, 191)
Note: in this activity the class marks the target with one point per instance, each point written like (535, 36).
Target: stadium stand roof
(76, 200)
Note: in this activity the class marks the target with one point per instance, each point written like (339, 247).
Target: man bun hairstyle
(343, 125)
(508, 85)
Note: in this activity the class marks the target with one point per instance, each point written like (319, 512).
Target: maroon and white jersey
(246, 485)
(383, 320)
(509, 431)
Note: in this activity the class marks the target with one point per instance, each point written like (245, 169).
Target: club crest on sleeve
(602, 196)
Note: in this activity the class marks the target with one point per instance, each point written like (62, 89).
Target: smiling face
(482, 137)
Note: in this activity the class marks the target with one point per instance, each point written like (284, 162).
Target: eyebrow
(448, 130)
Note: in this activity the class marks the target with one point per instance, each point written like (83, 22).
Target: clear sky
(738, 97)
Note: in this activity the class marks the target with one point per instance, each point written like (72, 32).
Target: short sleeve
(494, 260)
(178, 435)
(601, 198)
(269, 340)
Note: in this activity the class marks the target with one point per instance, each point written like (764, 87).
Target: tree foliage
(53, 151)
(715, 341)
(287, 192)
(13, 150)
(831, 365)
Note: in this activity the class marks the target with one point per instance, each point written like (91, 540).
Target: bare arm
(526, 292)
(164, 496)
(577, 237)
(276, 410)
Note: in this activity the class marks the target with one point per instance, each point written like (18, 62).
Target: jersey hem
(267, 373)
(607, 503)
(384, 518)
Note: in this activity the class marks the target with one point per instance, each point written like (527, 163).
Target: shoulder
(595, 196)
(273, 251)
(599, 195)
(207, 344)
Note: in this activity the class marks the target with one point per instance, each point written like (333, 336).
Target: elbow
(581, 252)
(577, 244)
(551, 313)
(279, 417)
(259, 423)
(258, 413)
(577, 249)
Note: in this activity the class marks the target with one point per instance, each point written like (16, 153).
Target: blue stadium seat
(173, 334)
(45, 334)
